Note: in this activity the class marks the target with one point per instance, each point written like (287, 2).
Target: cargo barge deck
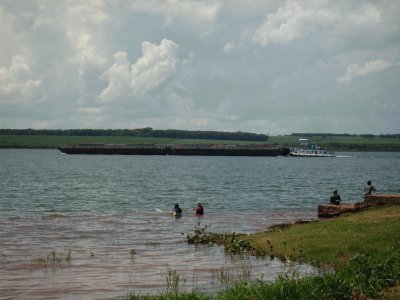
(177, 149)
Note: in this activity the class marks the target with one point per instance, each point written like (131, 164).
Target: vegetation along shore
(357, 257)
(37, 139)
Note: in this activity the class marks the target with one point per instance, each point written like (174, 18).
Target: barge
(177, 149)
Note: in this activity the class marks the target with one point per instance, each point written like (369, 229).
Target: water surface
(100, 208)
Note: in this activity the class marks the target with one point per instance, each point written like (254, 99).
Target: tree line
(142, 132)
(393, 136)
(362, 147)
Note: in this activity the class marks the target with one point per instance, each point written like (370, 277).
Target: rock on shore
(331, 210)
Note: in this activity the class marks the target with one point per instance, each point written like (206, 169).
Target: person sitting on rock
(335, 198)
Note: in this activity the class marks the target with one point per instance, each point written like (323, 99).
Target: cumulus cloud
(356, 70)
(86, 53)
(292, 21)
(157, 64)
(199, 64)
(89, 11)
(298, 19)
(196, 12)
(18, 81)
(154, 67)
(368, 14)
(118, 76)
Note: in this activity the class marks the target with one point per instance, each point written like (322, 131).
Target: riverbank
(361, 250)
(333, 143)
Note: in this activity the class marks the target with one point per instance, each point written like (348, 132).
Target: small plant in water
(132, 253)
(234, 245)
(68, 257)
(173, 280)
(202, 236)
(53, 258)
(224, 275)
(152, 244)
(231, 241)
(230, 275)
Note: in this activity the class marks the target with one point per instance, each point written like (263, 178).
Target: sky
(270, 67)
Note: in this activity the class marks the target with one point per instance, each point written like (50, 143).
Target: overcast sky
(272, 67)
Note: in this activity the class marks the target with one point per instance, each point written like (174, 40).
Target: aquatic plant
(230, 275)
(193, 295)
(363, 249)
(202, 236)
(173, 280)
(363, 276)
(53, 258)
(232, 243)
(223, 275)
(152, 244)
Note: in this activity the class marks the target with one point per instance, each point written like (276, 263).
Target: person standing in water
(199, 210)
(177, 211)
(369, 189)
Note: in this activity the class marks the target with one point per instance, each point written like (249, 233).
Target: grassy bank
(334, 143)
(360, 254)
(343, 143)
(334, 241)
(38, 141)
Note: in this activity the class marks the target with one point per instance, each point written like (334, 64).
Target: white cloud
(91, 110)
(86, 52)
(368, 14)
(157, 64)
(18, 82)
(292, 21)
(196, 12)
(88, 11)
(119, 78)
(87, 64)
(230, 47)
(356, 70)
(298, 19)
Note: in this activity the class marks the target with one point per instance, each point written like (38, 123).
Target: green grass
(335, 143)
(37, 141)
(362, 251)
(343, 143)
(333, 241)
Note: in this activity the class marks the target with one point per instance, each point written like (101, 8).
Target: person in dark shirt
(369, 189)
(199, 210)
(177, 211)
(335, 198)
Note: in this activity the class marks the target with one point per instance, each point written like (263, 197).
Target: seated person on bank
(335, 198)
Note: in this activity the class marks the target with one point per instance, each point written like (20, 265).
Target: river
(98, 227)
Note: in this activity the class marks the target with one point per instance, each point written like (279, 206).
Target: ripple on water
(101, 260)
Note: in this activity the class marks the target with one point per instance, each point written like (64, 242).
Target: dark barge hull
(159, 149)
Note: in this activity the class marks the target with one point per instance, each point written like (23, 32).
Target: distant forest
(346, 134)
(142, 132)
